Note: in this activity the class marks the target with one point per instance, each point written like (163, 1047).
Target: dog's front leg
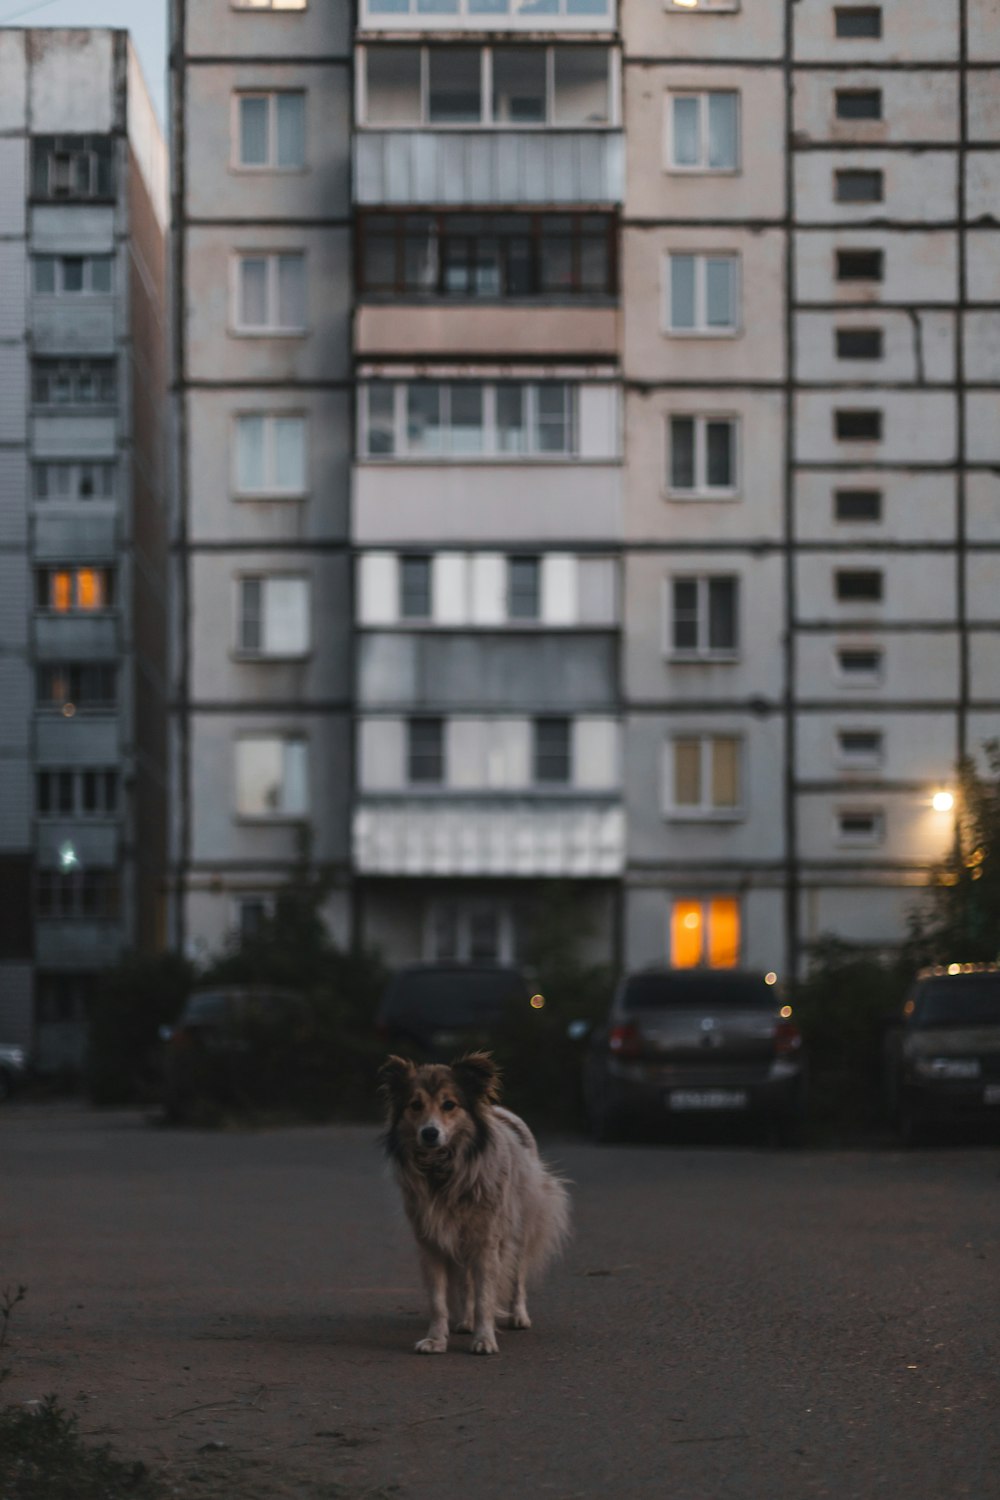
(436, 1281)
(485, 1276)
(461, 1300)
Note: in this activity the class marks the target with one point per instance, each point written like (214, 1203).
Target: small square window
(859, 104)
(857, 505)
(859, 585)
(859, 343)
(859, 749)
(860, 265)
(860, 665)
(852, 21)
(860, 825)
(858, 425)
(859, 185)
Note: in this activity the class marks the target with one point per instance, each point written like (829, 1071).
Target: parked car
(944, 1061)
(13, 1069)
(688, 1042)
(433, 1011)
(216, 1049)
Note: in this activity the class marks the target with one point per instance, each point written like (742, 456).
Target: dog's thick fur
(486, 1211)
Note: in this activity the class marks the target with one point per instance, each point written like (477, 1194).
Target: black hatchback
(695, 1042)
(433, 1011)
(944, 1066)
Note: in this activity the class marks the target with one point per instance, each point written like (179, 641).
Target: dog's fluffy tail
(549, 1229)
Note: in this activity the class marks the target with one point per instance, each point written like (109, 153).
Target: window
(271, 293)
(704, 132)
(469, 932)
(704, 776)
(472, 256)
(702, 294)
(507, 87)
(863, 425)
(702, 456)
(524, 588)
(84, 794)
(859, 104)
(77, 686)
(860, 666)
(425, 751)
(252, 916)
(64, 589)
(73, 382)
(273, 616)
(859, 749)
(74, 481)
(415, 595)
(860, 825)
(271, 777)
(858, 585)
(705, 931)
(466, 419)
(270, 455)
(858, 185)
(553, 761)
(858, 21)
(486, 7)
(859, 343)
(703, 617)
(76, 895)
(85, 275)
(857, 505)
(269, 4)
(860, 265)
(72, 167)
(271, 130)
(702, 7)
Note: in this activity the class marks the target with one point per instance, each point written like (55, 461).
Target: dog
(486, 1211)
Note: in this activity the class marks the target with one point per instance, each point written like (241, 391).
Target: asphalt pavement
(239, 1310)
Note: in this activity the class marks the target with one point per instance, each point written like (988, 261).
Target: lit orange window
(90, 589)
(62, 590)
(705, 932)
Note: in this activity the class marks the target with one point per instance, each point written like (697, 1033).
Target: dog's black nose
(429, 1135)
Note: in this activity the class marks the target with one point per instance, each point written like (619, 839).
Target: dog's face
(435, 1109)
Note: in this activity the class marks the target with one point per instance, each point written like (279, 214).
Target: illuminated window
(65, 589)
(705, 932)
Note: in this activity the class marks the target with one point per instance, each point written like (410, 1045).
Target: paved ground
(727, 1323)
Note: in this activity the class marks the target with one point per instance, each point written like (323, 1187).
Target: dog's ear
(477, 1076)
(395, 1079)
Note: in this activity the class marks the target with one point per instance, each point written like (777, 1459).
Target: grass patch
(43, 1457)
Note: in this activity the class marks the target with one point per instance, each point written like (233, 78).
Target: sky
(146, 19)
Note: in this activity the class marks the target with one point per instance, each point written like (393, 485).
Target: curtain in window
(253, 292)
(687, 149)
(720, 308)
(722, 130)
(250, 473)
(682, 291)
(253, 131)
(289, 454)
(291, 129)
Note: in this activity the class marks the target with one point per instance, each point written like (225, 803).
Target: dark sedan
(945, 1067)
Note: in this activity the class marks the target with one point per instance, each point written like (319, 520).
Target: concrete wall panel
(915, 106)
(72, 82)
(917, 427)
(919, 507)
(912, 31)
(917, 586)
(917, 186)
(752, 31)
(916, 746)
(917, 346)
(917, 267)
(917, 667)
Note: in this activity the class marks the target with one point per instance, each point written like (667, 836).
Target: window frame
(437, 758)
(490, 451)
(426, 562)
(703, 811)
(540, 753)
(849, 679)
(272, 259)
(840, 95)
(702, 490)
(842, 252)
(75, 466)
(263, 653)
(702, 652)
(859, 600)
(280, 814)
(48, 571)
(272, 490)
(110, 777)
(858, 840)
(701, 7)
(76, 370)
(702, 167)
(864, 761)
(270, 7)
(870, 520)
(77, 892)
(843, 11)
(75, 702)
(877, 334)
(701, 328)
(877, 436)
(59, 259)
(841, 177)
(272, 164)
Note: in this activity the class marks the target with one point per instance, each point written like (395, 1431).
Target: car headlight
(946, 1067)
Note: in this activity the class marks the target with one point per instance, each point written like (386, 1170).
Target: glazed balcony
(411, 167)
(517, 16)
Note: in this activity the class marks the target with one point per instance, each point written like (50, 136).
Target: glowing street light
(68, 858)
(943, 801)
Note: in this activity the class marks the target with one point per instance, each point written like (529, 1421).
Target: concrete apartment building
(82, 526)
(588, 429)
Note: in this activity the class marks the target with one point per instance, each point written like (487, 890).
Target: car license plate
(707, 1099)
(991, 1093)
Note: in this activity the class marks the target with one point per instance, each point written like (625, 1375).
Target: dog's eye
(415, 1105)
(448, 1105)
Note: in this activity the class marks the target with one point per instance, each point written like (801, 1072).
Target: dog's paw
(431, 1346)
(465, 1326)
(519, 1320)
(485, 1343)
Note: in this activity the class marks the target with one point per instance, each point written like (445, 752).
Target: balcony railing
(411, 167)
(523, 838)
(488, 15)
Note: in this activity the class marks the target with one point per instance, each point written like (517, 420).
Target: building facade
(83, 515)
(587, 434)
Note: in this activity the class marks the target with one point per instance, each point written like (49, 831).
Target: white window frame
(855, 679)
(486, 120)
(264, 652)
(701, 489)
(491, 451)
(87, 290)
(75, 468)
(277, 6)
(701, 168)
(702, 652)
(701, 7)
(701, 328)
(272, 164)
(279, 814)
(465, 911)
(859, 840)
(266, 330)
(271, 490)
(371, 17)
(865, 760)
(703, 811)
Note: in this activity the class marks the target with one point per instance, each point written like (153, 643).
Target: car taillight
(787, 1038)
(624, 1041)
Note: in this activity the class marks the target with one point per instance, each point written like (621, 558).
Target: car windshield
(698, 991)
(443, 997)
(967, 1000)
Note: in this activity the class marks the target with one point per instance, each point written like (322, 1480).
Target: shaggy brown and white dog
(486, 1211)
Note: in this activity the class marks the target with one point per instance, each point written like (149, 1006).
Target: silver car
(13, 1068)
(690, 1042)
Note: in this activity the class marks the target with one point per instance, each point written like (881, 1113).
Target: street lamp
(943, 801)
